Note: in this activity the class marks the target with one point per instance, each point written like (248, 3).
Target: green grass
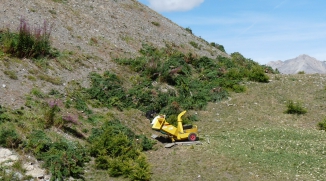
(297, 153)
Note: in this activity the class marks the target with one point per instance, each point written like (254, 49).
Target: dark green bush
(189, 30)
(221, 47)
(147, 144)
(295, 108)
(63, 158)
(322, 125)
(234, 74)
(118, 149)
(108, 90)
(102, 162)
(218, 46)
(9, 138)
(257, 74)
(4, 115)
(38, 143)
(141, 170)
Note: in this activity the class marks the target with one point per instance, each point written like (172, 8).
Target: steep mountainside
(118, 27)
(92, 33)
(303, 62)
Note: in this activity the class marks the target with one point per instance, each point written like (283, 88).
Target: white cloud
(173, 5)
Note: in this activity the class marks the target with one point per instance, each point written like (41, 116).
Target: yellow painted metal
(175, 133)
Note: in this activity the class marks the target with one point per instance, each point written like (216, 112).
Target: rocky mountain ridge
(303, 63)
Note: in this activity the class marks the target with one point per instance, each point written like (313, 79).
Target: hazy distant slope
(303, 62)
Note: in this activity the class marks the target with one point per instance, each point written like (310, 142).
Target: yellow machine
(178, 133)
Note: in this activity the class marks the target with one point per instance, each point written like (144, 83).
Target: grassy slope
(248, 137)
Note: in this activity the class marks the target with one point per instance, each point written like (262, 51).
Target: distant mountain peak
(303, 62)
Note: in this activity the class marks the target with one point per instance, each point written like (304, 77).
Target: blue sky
(262, 30)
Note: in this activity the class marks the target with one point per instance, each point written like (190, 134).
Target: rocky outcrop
(30, 165)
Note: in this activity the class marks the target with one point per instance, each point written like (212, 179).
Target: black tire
(192, 137)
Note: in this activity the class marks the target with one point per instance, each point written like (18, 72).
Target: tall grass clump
(28, 42)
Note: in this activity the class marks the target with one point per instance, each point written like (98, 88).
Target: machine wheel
(192, 137)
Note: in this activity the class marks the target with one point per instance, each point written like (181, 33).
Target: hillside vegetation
(83, 116)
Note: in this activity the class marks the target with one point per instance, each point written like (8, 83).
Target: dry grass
(248, 137)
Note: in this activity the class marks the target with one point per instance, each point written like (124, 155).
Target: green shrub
(117, 167)
(234, 74)
(194, 44)
(102, 162)
(147, 144)
(108, 90)
(257, 74)
(141, 171)
(116, 148)
(4, 115)
(189, 30)
(322, 125)
(295, 108)
(239, 88)
(221, 47)
(9, 138)
(156, 23)
(37, 143)
(63, 158)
